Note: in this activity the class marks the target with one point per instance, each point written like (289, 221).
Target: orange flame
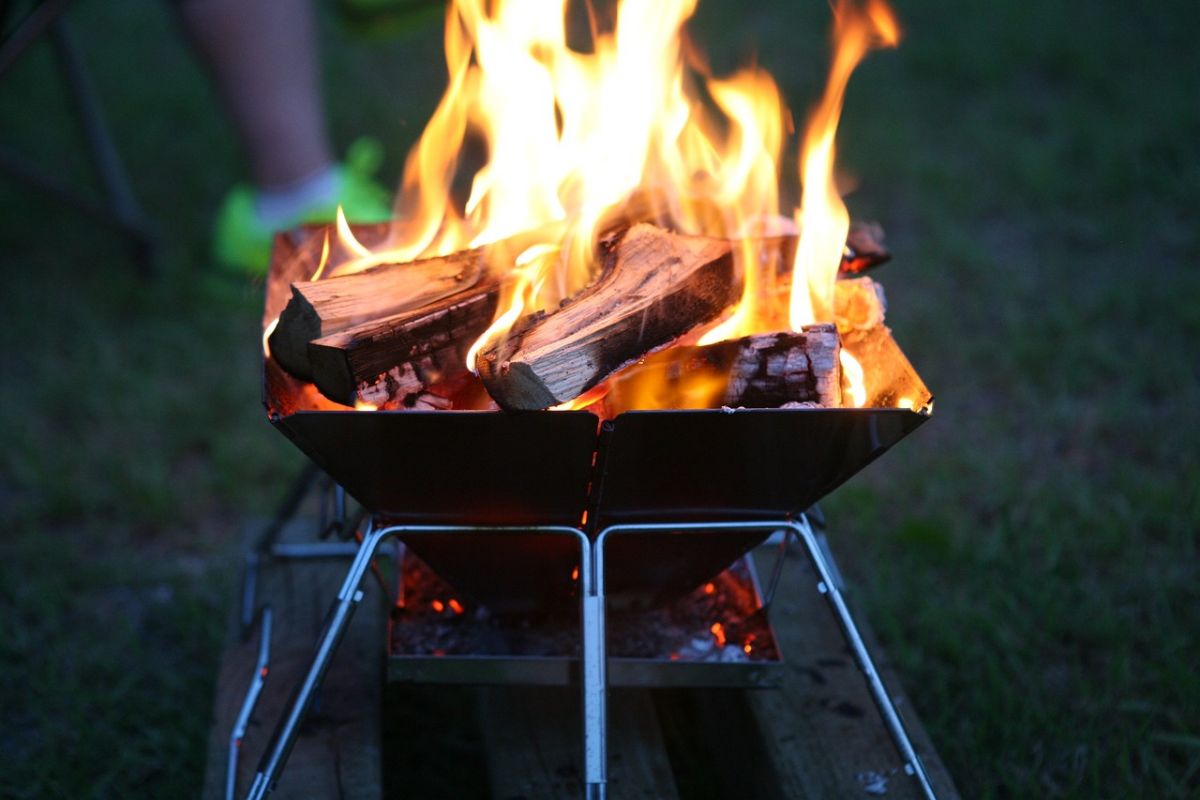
(823, 218)
(853, 381)
(571, 136)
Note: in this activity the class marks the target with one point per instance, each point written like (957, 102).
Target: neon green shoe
(242, 243)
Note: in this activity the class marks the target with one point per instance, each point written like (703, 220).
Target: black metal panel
(745, 464)
(510, 573)
(710, 466)
(452, 467)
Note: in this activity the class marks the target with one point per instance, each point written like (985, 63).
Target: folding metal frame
(592, 601)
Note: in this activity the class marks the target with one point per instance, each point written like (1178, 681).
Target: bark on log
(777, 368)
(865, 248)
(402, 355)
(320, 308)
(658, 287)
(767, 370)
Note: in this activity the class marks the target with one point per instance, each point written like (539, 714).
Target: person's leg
(263, 57)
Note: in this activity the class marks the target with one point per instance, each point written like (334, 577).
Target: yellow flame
(267, 331)
(593, 395)
(823, 218)
(853, 380)
(347, 238)
(572, 133)
(316, 276)
(532, 265)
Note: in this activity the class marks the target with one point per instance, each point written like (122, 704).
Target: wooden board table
(819, 735)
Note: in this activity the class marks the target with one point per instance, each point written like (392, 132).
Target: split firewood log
(768, 370)
(656, 287)
(387, 361)
(320, 308)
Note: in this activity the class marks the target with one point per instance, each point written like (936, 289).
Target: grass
(1029, 557)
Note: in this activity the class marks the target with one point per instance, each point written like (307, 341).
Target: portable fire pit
(577, 398)
(535, 512)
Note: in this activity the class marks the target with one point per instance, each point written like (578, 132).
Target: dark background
(1029, 558)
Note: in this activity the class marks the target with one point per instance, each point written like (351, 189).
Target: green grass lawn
(1029, 558)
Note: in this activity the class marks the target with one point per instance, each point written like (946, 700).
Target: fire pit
(599, 381)
(570, 468)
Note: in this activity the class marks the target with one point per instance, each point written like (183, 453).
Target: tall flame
(823, 218)
(572, 135)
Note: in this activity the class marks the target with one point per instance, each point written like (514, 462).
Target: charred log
(396, 357)
(657, 287)
(768, 370)
(320, 308)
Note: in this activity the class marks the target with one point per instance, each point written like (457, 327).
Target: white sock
(282, 206)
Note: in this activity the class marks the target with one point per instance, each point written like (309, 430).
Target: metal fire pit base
(593, 661)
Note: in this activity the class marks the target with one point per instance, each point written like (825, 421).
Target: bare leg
(263, 56)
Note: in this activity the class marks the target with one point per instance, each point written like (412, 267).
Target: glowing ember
(718, 632)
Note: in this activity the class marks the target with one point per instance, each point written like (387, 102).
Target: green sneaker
(242, 243)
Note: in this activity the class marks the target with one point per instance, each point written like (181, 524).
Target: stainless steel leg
(349, 596)
(342, 610)
(828, 587)
(595, 680)
(269, 537)
(257, 681)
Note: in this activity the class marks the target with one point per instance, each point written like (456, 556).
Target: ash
(718, 621)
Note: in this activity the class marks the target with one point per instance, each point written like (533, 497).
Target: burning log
(772, 369)
(393, 360)
(320, 308)
(865, 248)
(658, 287)
(767, 370)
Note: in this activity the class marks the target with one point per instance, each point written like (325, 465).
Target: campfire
(589, 375)
(622, 248)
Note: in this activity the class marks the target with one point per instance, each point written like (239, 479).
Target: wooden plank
(715, 745)
(533, 740)
(822, 732)
(338, 751)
